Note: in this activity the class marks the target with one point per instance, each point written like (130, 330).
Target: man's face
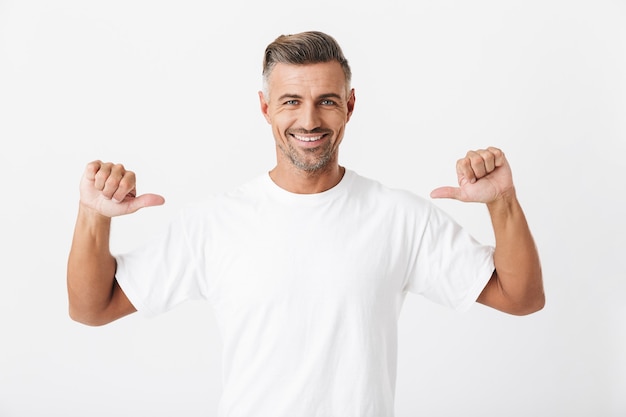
(308, 107)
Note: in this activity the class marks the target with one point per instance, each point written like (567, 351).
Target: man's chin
(312, 167)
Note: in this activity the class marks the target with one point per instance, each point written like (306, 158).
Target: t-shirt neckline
(331, 193)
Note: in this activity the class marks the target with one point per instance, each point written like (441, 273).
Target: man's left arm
(516, 286)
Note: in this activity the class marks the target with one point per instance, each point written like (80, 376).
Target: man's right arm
(106, 190)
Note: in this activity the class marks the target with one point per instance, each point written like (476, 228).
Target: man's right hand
(110, 190)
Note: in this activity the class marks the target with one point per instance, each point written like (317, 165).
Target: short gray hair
(303, 48)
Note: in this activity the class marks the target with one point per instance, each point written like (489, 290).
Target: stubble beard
(309, 163)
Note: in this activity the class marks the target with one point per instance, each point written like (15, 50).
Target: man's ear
(350, 103)
(264, 107)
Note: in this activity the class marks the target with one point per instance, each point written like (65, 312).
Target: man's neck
(304, 182)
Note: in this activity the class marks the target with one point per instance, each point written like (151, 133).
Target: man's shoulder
(239, 195)
(385, 193)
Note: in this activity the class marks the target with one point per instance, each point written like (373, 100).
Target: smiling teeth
(308, 138)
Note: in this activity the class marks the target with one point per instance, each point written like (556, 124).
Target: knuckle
(463, 162)
(475, 158)
(127, 181)
(496, 152)
(117, 169)
(94, 165)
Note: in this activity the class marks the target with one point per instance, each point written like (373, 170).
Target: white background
(170, 89)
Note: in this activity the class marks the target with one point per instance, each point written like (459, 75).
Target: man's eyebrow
(322, 96)
(331, 95)
(289, 96)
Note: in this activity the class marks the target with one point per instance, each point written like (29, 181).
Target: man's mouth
(308, 138)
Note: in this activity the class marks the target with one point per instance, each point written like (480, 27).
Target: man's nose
(310, 117)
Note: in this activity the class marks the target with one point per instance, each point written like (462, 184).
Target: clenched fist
(484, 176)
(110, 190)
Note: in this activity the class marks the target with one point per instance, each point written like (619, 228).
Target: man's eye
(328, 102)
(291, 102)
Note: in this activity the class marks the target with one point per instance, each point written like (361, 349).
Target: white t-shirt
(307, 288)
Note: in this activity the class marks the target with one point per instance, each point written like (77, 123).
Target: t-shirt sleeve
(162, 273)
(450, 267)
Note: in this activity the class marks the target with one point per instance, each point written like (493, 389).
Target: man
(306, 267)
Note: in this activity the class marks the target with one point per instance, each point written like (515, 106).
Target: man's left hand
(484, 176)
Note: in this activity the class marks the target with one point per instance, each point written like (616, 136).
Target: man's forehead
(324, 74)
